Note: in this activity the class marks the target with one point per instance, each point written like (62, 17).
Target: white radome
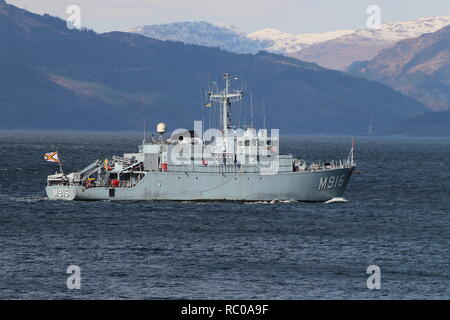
(161, 128)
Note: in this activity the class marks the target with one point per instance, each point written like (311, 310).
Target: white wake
(336, 200)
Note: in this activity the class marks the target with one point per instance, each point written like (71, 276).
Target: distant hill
(55, 78)
(361, 45)
(418, 67)
(429, 124)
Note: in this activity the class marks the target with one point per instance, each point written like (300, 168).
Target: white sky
(296, 16)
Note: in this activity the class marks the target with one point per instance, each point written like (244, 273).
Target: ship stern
(61, 192)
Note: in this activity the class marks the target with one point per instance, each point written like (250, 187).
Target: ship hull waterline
(308, 186)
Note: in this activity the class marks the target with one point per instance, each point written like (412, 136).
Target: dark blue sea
(396, 216)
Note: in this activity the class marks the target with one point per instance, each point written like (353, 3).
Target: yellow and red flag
(52, 156)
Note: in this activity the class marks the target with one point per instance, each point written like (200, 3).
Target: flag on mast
(52, 156)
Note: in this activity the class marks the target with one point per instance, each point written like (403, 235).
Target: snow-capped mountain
(231, 39)
(327, 48)
(396, 31)
(205, 34)
(284, 42)
(341, 52)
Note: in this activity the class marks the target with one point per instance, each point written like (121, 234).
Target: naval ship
(226, 163)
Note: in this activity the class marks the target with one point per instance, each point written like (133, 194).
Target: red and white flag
(51, 156)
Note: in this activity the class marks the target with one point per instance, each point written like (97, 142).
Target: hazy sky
(297, 16)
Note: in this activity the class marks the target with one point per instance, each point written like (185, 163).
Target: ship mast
(226, 97)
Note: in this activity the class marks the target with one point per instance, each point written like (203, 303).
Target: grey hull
(317, 186)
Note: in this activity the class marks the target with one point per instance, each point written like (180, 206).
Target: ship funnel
(161, 128)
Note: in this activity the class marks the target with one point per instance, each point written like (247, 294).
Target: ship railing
(213, 169)
(329, 165)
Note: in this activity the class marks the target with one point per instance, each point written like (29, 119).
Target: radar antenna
(226, 97)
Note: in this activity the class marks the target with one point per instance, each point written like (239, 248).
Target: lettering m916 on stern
(332, 182)
(61, 193)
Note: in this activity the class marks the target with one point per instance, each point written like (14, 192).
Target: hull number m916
(61, 193)
(328, 183)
